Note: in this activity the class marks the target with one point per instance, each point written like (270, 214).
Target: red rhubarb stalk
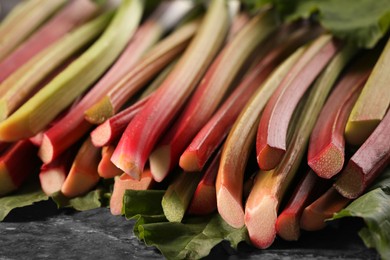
(125, 182)
(73, 126)
(314, 216)
(146, 128)
(212, 134)
(106, 169)
(270, 188)
(327, 143)
(272, 131)
(204, 200)
(17, 164)
(83, 174)
(230, 177)
(53, 175)
(367, 163)
(68, 18)
(308, 190)
(155, 60)
(215, 84)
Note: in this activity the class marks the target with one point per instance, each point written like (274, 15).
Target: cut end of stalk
(101, 135)
(99, 112)
(229, 208)
(77, 184)
(204, 201)
(123, 183)
(189, 161)
(357, 132)
(51, 181)
(261, 222)
(172, 207)
(6, 183)
(269, 157)
(328, 162)
(46, 150)
(126, 165)
(160, 162)
(287, 227)
(350, 184)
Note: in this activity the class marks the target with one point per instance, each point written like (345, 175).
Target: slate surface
(43, 232)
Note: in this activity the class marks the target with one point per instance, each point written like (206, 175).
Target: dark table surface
(42, 231)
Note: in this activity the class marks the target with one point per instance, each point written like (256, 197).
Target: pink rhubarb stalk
(204, 200)
(367, 163)
(272, 131)
(83, 175)
(106, 168)
(146, 128)
(314, 215)
(17, 164)
(68, 18)
(230, 177)
(308, 190)
(215, 84)
(327, 143)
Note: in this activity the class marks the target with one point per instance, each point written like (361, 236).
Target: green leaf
(363, 22)
(91, 200)
(25, 196)
(374, 208)
(191, 239)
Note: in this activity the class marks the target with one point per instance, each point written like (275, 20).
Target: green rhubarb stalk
(373, 102)
(42, 108)
(178, 196)
(265, 198)
(22, 82)
(67, 19)
(230, 177)
(23, 20)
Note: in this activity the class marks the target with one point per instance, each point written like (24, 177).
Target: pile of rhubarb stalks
(274, 126)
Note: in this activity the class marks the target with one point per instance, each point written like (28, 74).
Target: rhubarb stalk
(83, 174)
(179, 194)
(314, 215)
(308, 190)
(17, 164)
(106, 169)
(367, 163)
(44, 106)
(146, 128)
(230, 177)
(59, 137)
(372, 104)
(272, 131)
(24, 81)
(22, 21)
(215, 84)
(156, 59)
(327, 143)
(268, 192)
(68, 18)
(125, 182)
